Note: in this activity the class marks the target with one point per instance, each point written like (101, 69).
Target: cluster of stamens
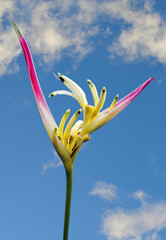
(76, 132)
(71, 137)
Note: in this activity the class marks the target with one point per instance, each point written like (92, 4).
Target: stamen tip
(79, 111)
(68, 111)
(89, 81)
(55, 130)
(86, 138)
(103, 89)
(60, 77)
(51, 95)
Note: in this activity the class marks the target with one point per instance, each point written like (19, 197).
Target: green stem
(69, 179)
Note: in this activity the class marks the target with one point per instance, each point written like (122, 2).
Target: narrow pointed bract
(109, 113)
(44, 110)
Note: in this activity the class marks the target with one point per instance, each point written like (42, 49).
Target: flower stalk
(69, 182)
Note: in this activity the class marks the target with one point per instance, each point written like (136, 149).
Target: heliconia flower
(68, 141)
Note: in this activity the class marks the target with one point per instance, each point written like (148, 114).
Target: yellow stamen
(74, 138)
(88, 110)
(99, 104)
(83, 140)
(62, 124)
(69, 126)
(71, 142)
(113, 103)
(93, 91)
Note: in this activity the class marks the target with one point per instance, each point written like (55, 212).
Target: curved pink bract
(41, 102)
(106, 115)
(44, 110)
(130, 97)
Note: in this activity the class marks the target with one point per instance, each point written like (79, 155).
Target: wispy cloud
(52, 28)
(160, 81)
(56, 162)
(105, 190)
(144, 34)
(143, 223)
(140, 195)
(22, 100)
(56, 28)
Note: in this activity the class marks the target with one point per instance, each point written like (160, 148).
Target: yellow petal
(62, 124)
(113, 102)
(100, 103)
(93, 91)
(69, 126)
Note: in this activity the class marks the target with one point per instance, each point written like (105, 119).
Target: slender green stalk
(69, 180)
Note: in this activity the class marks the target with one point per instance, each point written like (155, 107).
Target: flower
(68, 141)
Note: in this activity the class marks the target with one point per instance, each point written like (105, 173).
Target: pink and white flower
(68, 141)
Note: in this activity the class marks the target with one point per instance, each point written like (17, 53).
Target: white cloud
(57, 28)
(153, 236)
(143, 223)
(6, 7)
(9, 48)
(140, 195)
(54, 28)
(50, 27)
(56, 162)
(7, 52)
(145, 35)
(105, 190)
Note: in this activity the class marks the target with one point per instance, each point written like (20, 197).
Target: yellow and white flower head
(68, 140)
(77, 132)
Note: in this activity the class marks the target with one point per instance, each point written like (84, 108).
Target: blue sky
(119, 188)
